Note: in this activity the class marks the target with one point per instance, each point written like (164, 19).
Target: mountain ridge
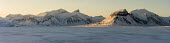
(139, 17)
(61, 17)
(58, 17)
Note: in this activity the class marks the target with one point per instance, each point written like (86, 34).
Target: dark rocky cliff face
(122, 12)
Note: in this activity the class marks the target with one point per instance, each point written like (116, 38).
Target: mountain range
(138, 17)
(58, 17)
(61, 17)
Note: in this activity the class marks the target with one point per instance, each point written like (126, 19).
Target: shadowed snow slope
(139, 17)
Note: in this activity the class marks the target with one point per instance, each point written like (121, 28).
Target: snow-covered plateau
(61, 34)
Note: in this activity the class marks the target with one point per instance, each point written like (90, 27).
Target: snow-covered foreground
(84, 34)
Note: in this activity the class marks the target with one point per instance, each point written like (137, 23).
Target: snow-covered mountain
(139, 17)
(4, 23)
(166, 19)
(62, 17)
(59, 17)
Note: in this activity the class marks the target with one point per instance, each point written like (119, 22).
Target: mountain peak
(142, 9)
(77, 10)
(60, 10)
(11, 15)
(121, 12)
(142, 12)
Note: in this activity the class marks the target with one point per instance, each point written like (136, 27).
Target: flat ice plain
(84, 34)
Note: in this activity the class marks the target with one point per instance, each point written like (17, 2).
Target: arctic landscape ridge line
(139, 17)
(61, 17)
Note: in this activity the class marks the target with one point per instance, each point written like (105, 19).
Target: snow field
(84, 35)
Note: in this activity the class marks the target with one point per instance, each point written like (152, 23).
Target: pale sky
(89, 7)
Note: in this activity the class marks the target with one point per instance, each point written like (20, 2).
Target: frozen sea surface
(84, 34)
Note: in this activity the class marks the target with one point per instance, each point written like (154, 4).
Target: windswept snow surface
(84, 34)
